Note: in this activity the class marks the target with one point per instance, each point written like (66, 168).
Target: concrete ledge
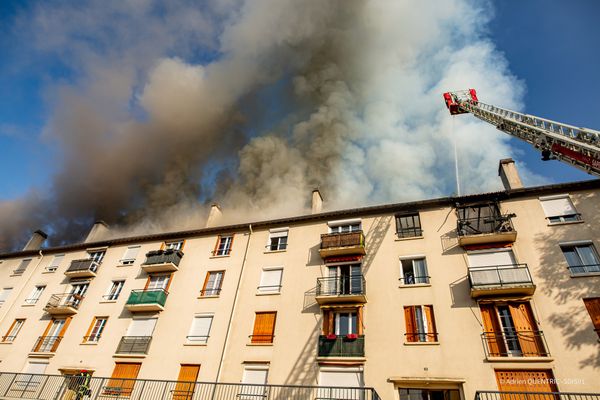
(519, 359)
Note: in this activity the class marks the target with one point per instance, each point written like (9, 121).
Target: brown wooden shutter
(531, 345)
(203, 292)
(359, 320)
(411, 325)
(432, 334)
(593, 308)
(184, 389)
(525, 381)
(231, 243)
(122, 379)
(492, 330)
(264, 326)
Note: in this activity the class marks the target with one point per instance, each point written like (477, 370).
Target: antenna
(455, 159)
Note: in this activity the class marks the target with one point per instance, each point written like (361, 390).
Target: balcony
(342, 244)
(495, 280)
(506, 395)
(511, 343)
(63, 304)
(341, 346)
(134, 345)
(162, 261)
(46, 344)
(86, 268)
(482, 230)
(341, 289)
(147, 300)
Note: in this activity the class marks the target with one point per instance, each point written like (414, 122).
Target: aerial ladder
(579, 147)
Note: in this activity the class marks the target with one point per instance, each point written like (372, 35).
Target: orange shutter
(122, 380)
(231, 243)
(264, 326)
(525, 381)
(593, 307)
(409, 317)
(359, 320)
(184, 389)
(432, 334)
(530, 342)
(203, 292)
(492, 330)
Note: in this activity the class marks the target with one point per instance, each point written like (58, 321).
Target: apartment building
(432, 299)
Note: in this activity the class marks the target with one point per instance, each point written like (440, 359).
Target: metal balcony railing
(148, 296)
(63, 300)
(341, 346)
(341, 285)
(46, 344)
(515, 344)
(482, 225)
(86, 264)
(499, 275)
(504, 395)
(134, 345)
(34, 386)
(163, 257)
(347, 239)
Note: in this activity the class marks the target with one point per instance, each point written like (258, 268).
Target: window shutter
(56, 262)
(35, 368)
(278, 233)
(491, 258)
(411, 326)
(432, 332)
(264, 326)
(184, 390)
(22, 266)
(346, 379)
(141, 327)
(492, 330)
(4, 294)
(201, 327)
(555, 207)
(526, 328)
(255, 376)
(131, 253)
(593, 307)
(270, 280)
(122, 379)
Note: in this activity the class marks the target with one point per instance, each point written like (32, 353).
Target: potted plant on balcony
(352, 336)
(331, 336)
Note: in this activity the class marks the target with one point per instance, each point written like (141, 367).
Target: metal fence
(495, 395)
(57, 387)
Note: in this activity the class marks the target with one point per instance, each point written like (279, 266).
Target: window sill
(196, 344)
(565, 223)
(268, 293)
(28, 305)
(342, 360)
(48, 272)
(224, 256)
(212, 296)
(89, 344)
(519, 359)
(6, 342)
(107, 301)
(13, 274)
(274, 251)
(408, 238)
(124, 265)
(415, 285)
(117, 355)
(421, 343)
(259, 344)
(584, 275)
(37, 354)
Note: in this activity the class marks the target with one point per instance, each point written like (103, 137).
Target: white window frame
(96, 255)
(278, 233)
(174, 244)
(14, 330)
(35, 294)
(412, 258)
(270, 289)
(203, 338)
(118, 289)
(216, 289)
(336, 226)
(95, 338)
(226, 248)
(560, 218)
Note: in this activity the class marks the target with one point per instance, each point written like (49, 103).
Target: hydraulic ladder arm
(579, 147)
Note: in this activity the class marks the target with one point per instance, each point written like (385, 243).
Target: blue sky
(550, 45)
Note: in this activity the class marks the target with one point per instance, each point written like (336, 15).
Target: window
(253, 382)
(130, 255)
(278, 239)
(13, 331)
(35, 294)
(95, 330)
(4, 294)
(158, 282)
(581, 257)
(413, 271)
(593, 307)
(420, 324)
(122, 380)
(223, 247)
(344, 226)
(559, 209)
(141, 327)
(174, 245)
(200, 330)
(344, 378)
(408, 225)
(22, 266)
(185, 387)
(55, 263)
(77, 293)
(343, 279)
(264, 327)
(49, 341)
(96, 255)
(114, 291)
(429, 394)
(212, 283)
(345, 323)
(28, 381)
(270, 280)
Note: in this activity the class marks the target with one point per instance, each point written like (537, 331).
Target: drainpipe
(233, 308)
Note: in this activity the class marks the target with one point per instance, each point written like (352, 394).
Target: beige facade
(444, 349)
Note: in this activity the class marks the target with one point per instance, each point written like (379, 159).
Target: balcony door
(77, 293)
(345, 323)
(156, 282)
(345, 279)
(55, 329)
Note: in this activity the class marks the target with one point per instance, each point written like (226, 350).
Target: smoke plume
(252, 104)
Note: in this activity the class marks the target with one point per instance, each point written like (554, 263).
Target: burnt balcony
(134, 345)
(488, 229)
(85, 268)
(341, 346)
(147, 300)
(494, 280)
(162, 260)
(63, 304)
(46, 344)
(513, 343)
(341, 289)
(341, 244)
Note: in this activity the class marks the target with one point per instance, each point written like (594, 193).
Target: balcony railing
(46, 344)
(65, 303)
(34, 386)
(134, 345)
(351, 288)
(515, 344)
(341, 346)
(497, 395)
(147, 300)
(335, 244)
(501, 279)
(85, 268)
(495, 228)
(162, 260)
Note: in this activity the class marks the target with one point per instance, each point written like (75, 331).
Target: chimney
(37, 239)
(214, 216)
(509, 174)
(317, 201)
(98, 232)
